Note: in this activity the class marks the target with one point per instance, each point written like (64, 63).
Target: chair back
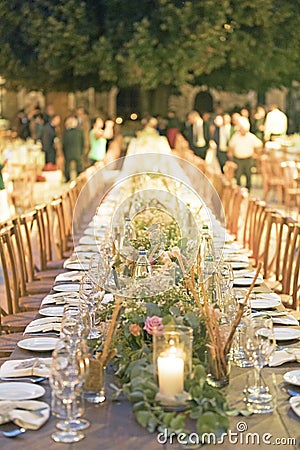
(10, 262)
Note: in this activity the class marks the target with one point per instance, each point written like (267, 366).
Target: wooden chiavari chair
(272, 176)
(257, 217)
(50, 260)
(239, 195)
(290, 280)
(32, 287)
(11, 318)
(281, 258)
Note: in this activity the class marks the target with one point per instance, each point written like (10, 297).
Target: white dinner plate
(90, 240)
(20, 391)
(68, 287)
(266, 296)
(38, 344)
(264, 304)
(247, 281)
(76, 266)
(82, 248)
(52, 311)
(292, 377)
(295, 404)
(69, 276)
(94, 231)
(238, 264)
(286, 334)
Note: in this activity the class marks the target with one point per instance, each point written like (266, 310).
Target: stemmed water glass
(226, 276)
(90, 295)
(67, 373)
(259, 348)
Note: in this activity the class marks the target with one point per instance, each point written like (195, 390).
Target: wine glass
(67, 373)
(90, 295)
(259, 348)
(81, 354)
(226, 276)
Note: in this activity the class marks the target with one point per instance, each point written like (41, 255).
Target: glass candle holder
(172, 358)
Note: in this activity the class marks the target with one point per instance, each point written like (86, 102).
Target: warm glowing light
(133, 116)
(119, 120)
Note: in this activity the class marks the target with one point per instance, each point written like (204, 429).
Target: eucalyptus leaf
(136, 396)
(152, 309)
(143, 417)
(174, 311)
(192, 319)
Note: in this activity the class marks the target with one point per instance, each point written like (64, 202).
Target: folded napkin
(69, 276)
(84, 263)
(244, 273)
(26, 367)
(236, 258)
(78, 257)
(44, 324)
(61, 299)
(29, 414)
(283, 356)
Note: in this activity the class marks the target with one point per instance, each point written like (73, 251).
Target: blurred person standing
(174, 127)
(49, 113)
(194, 134)
(21, 124)
(84, 124)
(259, 122)
(276, 123)
(222, 132)
(98, 142)
(36, 127)
(242, 147)
(49, 136)
(109, 131)
(72, 145)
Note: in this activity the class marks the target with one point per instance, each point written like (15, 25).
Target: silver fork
(13, 433)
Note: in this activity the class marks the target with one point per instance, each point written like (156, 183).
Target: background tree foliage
(73, 45)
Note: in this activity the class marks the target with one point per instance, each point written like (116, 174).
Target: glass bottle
(142, 268)
(129, 233)
(206, 244)
(212, 282)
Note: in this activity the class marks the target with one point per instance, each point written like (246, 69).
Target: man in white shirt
(276, 123)
(242, 147)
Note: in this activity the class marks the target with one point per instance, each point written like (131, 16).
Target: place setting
(20, 409)
(52, 311)
(66, 287)
(44, 325)
(69, 276)
(31, 367)
(60, 298)
(246, 277)
(38, 344)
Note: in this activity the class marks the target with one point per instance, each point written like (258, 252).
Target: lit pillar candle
(170, 366)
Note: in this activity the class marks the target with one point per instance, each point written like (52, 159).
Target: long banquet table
(113, 425)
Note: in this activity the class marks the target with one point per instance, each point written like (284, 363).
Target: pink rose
(153, 322)
(135, 329)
